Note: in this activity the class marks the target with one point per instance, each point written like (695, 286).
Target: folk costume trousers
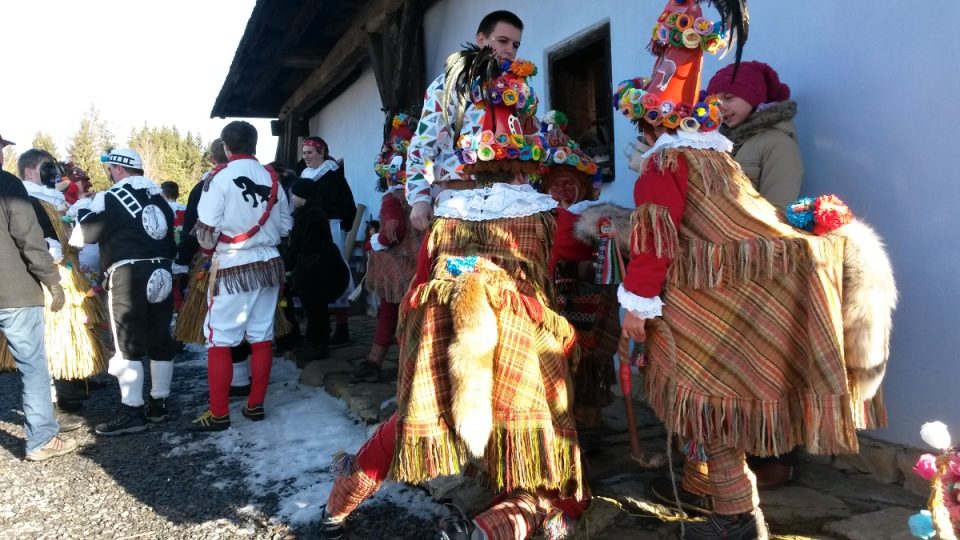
(515, 516)
(726, 477)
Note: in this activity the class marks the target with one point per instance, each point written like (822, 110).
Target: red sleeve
(667, 189)
(391, 208)
(566, 246)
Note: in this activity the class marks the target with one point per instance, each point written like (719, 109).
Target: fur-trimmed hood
(587, 228)
(777, 116)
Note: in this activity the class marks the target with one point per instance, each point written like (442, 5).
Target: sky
(304, 418)
(159, 63)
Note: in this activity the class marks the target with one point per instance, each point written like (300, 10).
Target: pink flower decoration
(926, 467)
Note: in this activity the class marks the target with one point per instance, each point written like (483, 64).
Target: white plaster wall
(876, 126)
(352, 125)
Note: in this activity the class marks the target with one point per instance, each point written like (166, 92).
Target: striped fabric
(732, 483)
(534, 441)
(515, 518)
(389, 272)
(749, 350)
(349, 491)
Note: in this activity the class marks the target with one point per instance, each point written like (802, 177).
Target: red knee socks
(219, 375)
(261, 361)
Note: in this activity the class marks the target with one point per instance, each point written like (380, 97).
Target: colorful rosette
(819, 215)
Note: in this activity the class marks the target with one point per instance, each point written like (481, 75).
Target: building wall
(871, 129)
(352, 125)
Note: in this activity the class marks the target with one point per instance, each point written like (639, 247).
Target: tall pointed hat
(681, 35)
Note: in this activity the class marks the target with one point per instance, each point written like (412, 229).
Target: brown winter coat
(765, 146)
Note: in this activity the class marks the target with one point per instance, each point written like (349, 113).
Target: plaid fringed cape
(189, 326)
(72, 338)
(533, 442)
(389, 272)
(750, 346)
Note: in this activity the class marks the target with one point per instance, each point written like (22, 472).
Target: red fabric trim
(646, 272)
(566, 246)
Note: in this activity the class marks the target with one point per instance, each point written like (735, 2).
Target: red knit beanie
(756, 83)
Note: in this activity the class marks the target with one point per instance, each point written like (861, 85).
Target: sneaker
(366, 372)
(240, 391)
(208, 422)
(330, 529)
(56, 447)
(128, 420)
(747, 526)
(662, 489)
(156, 410)
(456, 528)
(254, 413)
(68, 421)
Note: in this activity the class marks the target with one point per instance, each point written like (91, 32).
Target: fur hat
(756, 83)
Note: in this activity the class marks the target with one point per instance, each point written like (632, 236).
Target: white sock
(129, 374)
(53, 391)
(161, 373)
(241, 373)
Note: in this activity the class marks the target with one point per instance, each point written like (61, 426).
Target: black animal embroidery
(253, 190)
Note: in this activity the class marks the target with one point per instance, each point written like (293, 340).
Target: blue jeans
(24, 330)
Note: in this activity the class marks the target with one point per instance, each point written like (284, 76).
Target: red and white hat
(670, 97)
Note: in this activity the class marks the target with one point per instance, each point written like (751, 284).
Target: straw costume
(74, 346)
(485, 360)
(745, 320)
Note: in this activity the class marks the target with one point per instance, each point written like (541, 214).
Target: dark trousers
(141, 327)
(318, 320)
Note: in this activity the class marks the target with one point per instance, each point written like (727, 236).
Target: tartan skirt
(533, 443)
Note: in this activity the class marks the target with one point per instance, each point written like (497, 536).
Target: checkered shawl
(749, 350)
(534, 441)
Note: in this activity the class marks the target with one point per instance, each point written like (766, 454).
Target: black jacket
(333, 193)
(188, 243)
(318, 268)
(132, 225)
(24, 260)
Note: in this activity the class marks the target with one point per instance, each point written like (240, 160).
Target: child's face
(735, 110)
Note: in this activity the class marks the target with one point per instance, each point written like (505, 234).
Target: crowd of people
(501, 277)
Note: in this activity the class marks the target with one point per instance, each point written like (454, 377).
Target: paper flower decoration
(936, 435)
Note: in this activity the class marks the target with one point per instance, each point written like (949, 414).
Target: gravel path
(130, 487)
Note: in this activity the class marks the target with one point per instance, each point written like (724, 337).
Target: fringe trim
(189, 328)
(439, 291)
(653, 222)
(718, 169)
(206, 235)
(701, 264)
(249, 277)
(823, 424)
(536, 457)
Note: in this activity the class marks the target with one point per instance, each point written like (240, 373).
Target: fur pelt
(586, 229)
(470, 357)
(869, 298)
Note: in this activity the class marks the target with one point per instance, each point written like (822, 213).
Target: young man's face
(33, 174)
(504, 40)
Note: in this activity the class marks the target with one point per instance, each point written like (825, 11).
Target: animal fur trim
(587, 228)
(471, 362)
(869, 298)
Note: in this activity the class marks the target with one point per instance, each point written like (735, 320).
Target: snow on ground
(289, 454)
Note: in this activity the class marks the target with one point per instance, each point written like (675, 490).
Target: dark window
(579, 71)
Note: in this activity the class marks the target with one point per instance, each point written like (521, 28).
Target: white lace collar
(312, 173)
(711, 140)
(46, 194)
(136, 182)
(495, 202)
